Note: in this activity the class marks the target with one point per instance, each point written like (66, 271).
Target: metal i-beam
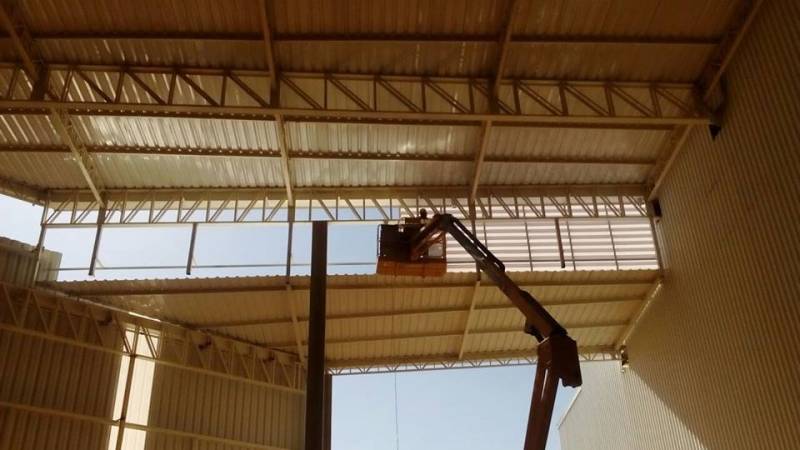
(37, 72)
(269, 52)
(422, 156)
(494, 93)
(315, 389)
(283, 143)
(505, 40)
(379, 39)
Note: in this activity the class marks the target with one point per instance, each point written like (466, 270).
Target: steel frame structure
(57, 317)
(362, 98)
(155, 207)
(467, 361)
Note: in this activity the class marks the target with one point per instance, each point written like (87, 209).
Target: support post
(191, 249)
(101, 218)
(560, 245)
(315, 388)
(40, 243)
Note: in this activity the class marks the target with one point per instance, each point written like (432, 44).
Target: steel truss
(470, 361)
(139, 207)
(53, 316)
(241, 94)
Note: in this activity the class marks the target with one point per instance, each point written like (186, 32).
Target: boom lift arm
(557, 352)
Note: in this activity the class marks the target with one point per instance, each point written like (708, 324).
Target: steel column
(101, 218)
(315, 389)
(191, 249)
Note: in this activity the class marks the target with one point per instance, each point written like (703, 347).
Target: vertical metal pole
(191, 249)
(571, 247)
(560, 245)
(472, 216)
(613, 244)
(101, 218)
(40, 243)
(127, 395)
(528, 241)
(326, 445)
(315, 389)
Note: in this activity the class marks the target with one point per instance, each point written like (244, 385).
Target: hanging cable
(394, 350)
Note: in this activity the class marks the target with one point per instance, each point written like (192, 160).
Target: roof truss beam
(311, 97)
(135, 207)
(333, 155)
(39, 76)
(382, 39)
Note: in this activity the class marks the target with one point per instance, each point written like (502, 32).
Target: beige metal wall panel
(624, 17)
(388, 17)
(389, 139)
(605, 62)
(518, 142)
(59, 169)
(182, 133)
(714, 360)
(167, 171)
(438, 59)
(120, 16)
(495, 173)
(18, 263)
(333, 172)
(217, 407)
(374, 318)
(18, 129)
(208, 54)
(59, 376)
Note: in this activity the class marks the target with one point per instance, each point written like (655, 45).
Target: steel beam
(451, 361)
(470, 310)
(315, 388)
(379, 39)
(306, 97)
(421, 156)
(448, 334)
(374, 204)
(100, 291)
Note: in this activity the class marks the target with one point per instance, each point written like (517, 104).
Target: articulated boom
(557, 352)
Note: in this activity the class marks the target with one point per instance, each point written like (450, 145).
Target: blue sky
(464, 409)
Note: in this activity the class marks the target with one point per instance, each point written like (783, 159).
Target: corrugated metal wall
(714, 362)
(57, 394)
(213, 406)
(18, 262)
(58, 376)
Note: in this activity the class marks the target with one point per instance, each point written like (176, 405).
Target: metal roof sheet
(373, 317)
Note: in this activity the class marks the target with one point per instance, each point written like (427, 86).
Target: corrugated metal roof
(621, 40)
(372, 317)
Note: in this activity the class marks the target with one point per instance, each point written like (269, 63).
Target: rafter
(417, 312)
(37, 73)
(707, 86)
(332, 155)
(494, 100)
(379, 39)
(266, 37)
